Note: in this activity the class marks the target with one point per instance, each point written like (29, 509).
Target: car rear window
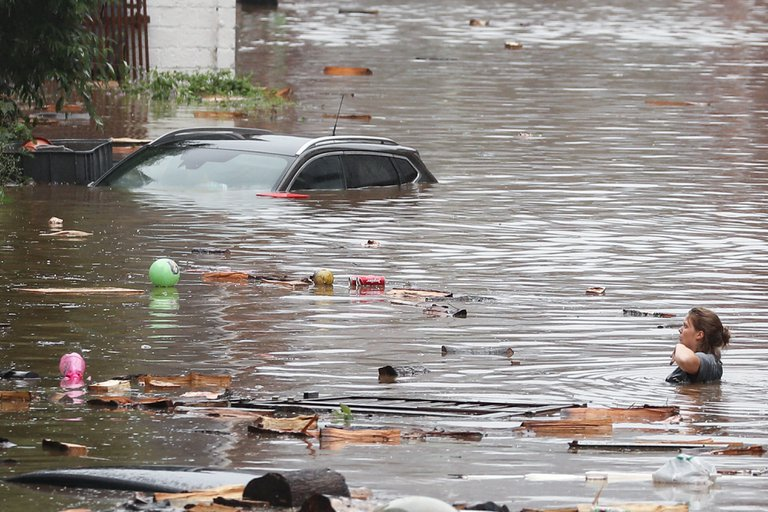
(201, 167)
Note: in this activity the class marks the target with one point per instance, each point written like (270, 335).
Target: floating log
(191, 380)
(363, 435)
(389, 374)
(635, 312)
(110, 386)
(303, 426)
(346, 71)
(568, 427)
(105, 290)
(646, 413)
(74, 450)
(494, 351)
(445, 310)
(291, 489)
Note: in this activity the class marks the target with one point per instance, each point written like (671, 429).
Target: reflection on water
(624, 146)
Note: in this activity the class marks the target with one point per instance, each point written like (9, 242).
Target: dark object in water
(390, 373)
(210, 251)
(18, 375)
(635, 312)
(445, 310)
(489, 505)
(138, 478)
(292, 488)
(497, 351)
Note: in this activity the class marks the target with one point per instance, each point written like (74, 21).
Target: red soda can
(366, 281)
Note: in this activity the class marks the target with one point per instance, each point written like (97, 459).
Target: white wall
(189, 35)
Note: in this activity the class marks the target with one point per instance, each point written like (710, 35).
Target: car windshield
(199, 167)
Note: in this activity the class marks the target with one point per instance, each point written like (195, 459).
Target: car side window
(321, 173)
(406, 170)
(369, 171)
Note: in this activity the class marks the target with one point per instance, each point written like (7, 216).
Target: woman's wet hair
(716, 335)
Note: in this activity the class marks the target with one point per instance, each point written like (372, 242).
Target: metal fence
(123, 25)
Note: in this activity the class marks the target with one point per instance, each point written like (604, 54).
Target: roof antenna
(337, 115)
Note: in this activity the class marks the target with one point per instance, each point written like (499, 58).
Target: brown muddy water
(625, 146)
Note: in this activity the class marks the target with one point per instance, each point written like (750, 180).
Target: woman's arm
(686, 359)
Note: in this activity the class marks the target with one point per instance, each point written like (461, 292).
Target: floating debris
(55, 222)
(635, 312)
(73, 450)
(498, 351)
(513, 45)
(596, 290)
(389, 374)
(372, 244)
(347, 71)
(445, 310)
(479, 23)
(645, 413)
(67, 233)
(210, 251)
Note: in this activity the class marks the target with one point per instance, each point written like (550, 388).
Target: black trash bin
(75, 161)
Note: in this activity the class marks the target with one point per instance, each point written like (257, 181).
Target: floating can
(366, 281)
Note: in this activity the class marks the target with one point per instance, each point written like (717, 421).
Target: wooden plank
(192, 379)
(15, 396)
(73, 450)
(646, 413)
(568, 427)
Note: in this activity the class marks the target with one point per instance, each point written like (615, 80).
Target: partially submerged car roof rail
(208, 133)
(344, 138)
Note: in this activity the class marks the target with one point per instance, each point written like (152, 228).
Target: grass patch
(221, 86)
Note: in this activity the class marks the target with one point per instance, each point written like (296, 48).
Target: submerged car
(254, 159)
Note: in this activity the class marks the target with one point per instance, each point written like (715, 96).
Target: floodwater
(625, 145)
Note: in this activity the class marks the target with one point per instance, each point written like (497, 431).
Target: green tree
(49, 55)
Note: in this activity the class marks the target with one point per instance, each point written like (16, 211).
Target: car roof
(254, 139)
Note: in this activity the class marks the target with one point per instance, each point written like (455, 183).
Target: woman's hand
(685, 359)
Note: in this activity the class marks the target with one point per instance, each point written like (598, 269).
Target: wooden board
(646, 413)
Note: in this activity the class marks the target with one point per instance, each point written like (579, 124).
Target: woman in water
(697, 354)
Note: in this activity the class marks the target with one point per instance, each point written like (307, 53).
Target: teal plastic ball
(164, 272)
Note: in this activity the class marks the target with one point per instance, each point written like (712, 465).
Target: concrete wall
(191, 35)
